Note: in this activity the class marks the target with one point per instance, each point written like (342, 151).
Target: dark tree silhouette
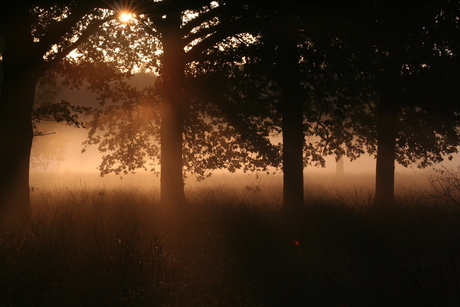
(314, 92)
(174, 107)
(214, 23)
(289, 81)
(408, 53)
(283, 57)
(36, 37)
(413, 53)
(280, 56)
(272, 64)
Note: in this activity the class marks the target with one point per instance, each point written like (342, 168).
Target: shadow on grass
(120, 248)
(341, 256)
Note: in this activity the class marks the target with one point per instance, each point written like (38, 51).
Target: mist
(229, 153)
(57, 160)
(233, 242)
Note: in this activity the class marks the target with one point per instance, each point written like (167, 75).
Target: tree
(408, 54)
(373, 57)
(36, 37)
(275, 67)
(215, 22)
(315, 96)
(190, 126)
(271, 65)
(289, 81)
(414, 61)
(339, 167)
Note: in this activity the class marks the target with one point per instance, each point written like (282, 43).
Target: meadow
(90, 244)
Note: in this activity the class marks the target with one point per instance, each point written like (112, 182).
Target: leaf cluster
(234, 127)
(127, 131)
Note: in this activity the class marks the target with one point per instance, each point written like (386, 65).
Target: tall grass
(231, 246)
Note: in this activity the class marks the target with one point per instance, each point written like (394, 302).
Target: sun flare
(126, 17)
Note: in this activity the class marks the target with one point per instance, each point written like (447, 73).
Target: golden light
(126, 17)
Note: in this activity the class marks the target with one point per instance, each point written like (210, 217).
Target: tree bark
(386, 153)
(21, 71)
(16, 143)
(292, 124)
(173, 110)
(293, 184)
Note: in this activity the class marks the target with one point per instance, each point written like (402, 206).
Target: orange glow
(126, 17)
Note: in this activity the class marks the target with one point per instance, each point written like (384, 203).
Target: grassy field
(90, 244)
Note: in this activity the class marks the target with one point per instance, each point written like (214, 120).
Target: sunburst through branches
(126, 10)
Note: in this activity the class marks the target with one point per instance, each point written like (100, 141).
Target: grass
(232, 246)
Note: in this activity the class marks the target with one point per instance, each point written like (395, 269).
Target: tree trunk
(292, 124)
(293, 189)
(16, 143)
(173, 110)
(20, 75)
(386, 153)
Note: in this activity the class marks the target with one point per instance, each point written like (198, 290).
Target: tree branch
(201, 33)
(189, 26)
(60, 29)
(83, 37)
(221, 31)
(150, 31)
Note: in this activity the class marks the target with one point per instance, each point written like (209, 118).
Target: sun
(125, 10)
(126, 17)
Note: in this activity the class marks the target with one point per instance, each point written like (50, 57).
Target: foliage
(127, 132)
(414, 65)
(348, 67)
(212, 139)
(102, 63)
(235, 104)
(62, 112)
(426, 137)
(337, 97)
(446, 185)
(340, 102)
(348, 71)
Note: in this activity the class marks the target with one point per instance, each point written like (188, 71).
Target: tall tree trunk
(386, 153)
(20, 75)
(15, 145)
(292, 123)
(173, 110)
